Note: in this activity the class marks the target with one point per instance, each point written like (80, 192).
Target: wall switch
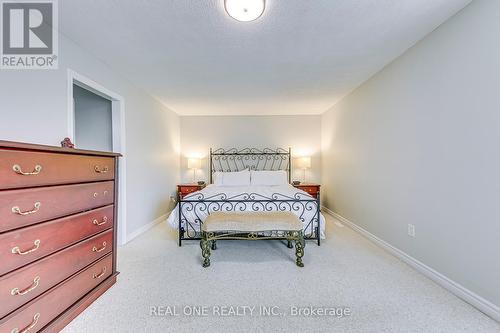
(411, 230)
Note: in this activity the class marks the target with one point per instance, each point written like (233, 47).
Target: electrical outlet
(411, 230)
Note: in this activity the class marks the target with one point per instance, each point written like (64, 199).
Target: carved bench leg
(299, 249)
(214, 245)
(205, 250)
(289, 238)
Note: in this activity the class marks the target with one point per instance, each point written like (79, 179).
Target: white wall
(419, 143)
(301, 133)
(33, 108)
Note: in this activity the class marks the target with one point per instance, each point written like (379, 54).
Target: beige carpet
(346, 271)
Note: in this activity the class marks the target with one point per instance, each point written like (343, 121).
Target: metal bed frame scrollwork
(232, 160)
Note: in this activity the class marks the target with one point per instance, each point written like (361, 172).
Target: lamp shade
(245, 10)
(194, 163)
(304, 162)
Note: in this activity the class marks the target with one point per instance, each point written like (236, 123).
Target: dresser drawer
(313, 190)
(19, 208)
(25, 168)
(23, 246)
(310, 189)
(185, 189)
(188, 190)
(48, 306)
(38, 277)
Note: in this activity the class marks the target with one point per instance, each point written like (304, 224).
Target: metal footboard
(194, 209)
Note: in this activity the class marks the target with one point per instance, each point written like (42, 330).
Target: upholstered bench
(251, 226)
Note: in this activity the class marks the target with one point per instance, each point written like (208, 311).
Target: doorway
(96, 121)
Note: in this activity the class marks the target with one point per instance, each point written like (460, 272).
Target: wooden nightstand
(185, 189)
(312, 189)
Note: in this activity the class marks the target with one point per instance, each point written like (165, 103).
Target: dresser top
(53, 149)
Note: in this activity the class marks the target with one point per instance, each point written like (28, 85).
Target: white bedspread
(235, 191)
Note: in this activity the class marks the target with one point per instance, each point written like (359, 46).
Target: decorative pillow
(269, 178)
(240, 178)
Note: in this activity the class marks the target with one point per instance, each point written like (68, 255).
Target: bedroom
(389, 110)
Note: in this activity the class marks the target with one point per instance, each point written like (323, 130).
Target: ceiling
(300, 57)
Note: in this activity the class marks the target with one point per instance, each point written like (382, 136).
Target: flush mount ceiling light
(245, 10)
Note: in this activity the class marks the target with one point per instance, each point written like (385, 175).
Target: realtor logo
(29, 34)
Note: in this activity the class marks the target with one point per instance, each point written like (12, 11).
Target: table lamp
(194, 163)
(304, 163)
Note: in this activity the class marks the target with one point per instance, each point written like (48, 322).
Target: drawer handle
(17, 250)
(98, 276)
(99, 170)
(17, 169)
(95, 249)
(17, 210)
(16, 291)
(27, 329)
(105, 193)
(104, 221)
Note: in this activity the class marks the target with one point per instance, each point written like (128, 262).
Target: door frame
(118, 132)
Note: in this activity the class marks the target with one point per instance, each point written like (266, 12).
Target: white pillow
(218, 177)
(269, 178)
(240, 178)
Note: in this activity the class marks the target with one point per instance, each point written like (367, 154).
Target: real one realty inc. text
(248, 310)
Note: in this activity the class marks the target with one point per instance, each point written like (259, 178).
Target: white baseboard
(470, 297)
(146, 227)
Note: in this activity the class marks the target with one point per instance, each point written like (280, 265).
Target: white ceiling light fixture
(245, 10)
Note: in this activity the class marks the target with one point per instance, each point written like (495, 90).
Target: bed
(264, 195)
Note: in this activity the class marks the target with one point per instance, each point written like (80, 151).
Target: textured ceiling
(300, 57)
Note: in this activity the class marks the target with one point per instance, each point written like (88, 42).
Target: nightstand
(312, 189)
(185, 189)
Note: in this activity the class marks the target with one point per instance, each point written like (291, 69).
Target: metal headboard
(233, 159)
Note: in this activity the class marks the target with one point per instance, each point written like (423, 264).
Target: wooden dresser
(58, 210)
